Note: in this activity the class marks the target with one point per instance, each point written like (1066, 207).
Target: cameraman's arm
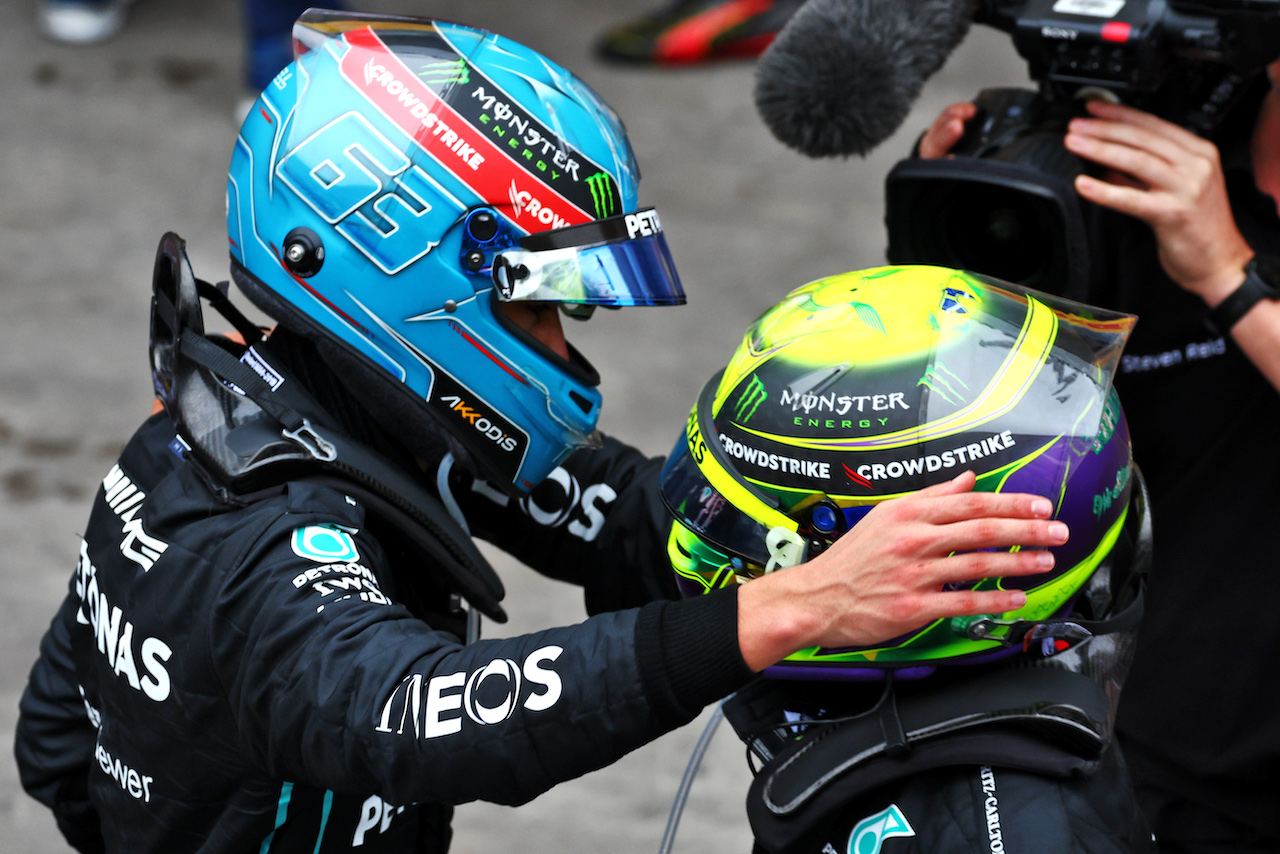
(1172, 180)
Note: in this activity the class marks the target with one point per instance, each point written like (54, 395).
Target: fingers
(933, 601)
(1147, 169)
(948, 533)
(955, 501)
(1134, 201)
(946, 130)
(1150, 159)
(891, 573)
(1118, 116)
(962, 482)
(966, 603)
(1155, 153)
(1126, 125)
(1171, 179)
(997, 533)
(972, 566)
(936, 574)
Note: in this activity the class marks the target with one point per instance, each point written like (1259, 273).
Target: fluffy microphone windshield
(842, 75)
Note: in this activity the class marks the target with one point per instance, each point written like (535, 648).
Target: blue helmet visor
(621, 260)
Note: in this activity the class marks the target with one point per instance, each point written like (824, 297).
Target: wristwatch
(1261, 281)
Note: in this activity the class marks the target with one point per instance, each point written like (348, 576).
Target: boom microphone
(842, 74)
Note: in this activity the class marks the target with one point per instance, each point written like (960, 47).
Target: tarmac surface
(105, 148)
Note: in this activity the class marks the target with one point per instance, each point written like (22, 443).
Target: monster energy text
(842, 404)
(527, 141)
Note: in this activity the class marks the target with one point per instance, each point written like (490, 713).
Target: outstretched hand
(890, 573)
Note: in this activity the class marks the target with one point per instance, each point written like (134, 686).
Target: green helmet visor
(703, 491)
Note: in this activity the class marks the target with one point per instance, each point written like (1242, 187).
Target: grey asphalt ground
(103, 149)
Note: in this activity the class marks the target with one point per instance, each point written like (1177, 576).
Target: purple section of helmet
(824, 673)
(689, 589)
(816, 672)
(1078, 505)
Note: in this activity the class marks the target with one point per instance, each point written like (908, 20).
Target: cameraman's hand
(1172, 180)
(945, 131)
(888, 574)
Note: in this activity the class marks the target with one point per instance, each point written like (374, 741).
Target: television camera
(1004, 205)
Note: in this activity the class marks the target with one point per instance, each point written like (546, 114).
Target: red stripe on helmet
(457, 327)
(374, 71)
(352, 322)
(857, 478)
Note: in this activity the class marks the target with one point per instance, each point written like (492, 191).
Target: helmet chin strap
(446, 494)
(451, 504)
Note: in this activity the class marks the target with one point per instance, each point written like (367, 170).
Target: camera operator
(1177, 218)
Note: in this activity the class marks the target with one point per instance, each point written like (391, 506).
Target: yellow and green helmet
(873, 384)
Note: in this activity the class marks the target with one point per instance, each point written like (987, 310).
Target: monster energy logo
(749, 401)
(602, 194)
(943, 382)
(445, 73)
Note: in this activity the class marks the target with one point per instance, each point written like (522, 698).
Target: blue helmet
(399, 181)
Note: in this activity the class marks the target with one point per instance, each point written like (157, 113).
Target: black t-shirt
(1200, 708)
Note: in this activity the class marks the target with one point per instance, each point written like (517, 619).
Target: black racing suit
(974, 809)
(271, 675)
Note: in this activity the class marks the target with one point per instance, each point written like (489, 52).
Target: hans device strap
(251, 426)
(1045, 721)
